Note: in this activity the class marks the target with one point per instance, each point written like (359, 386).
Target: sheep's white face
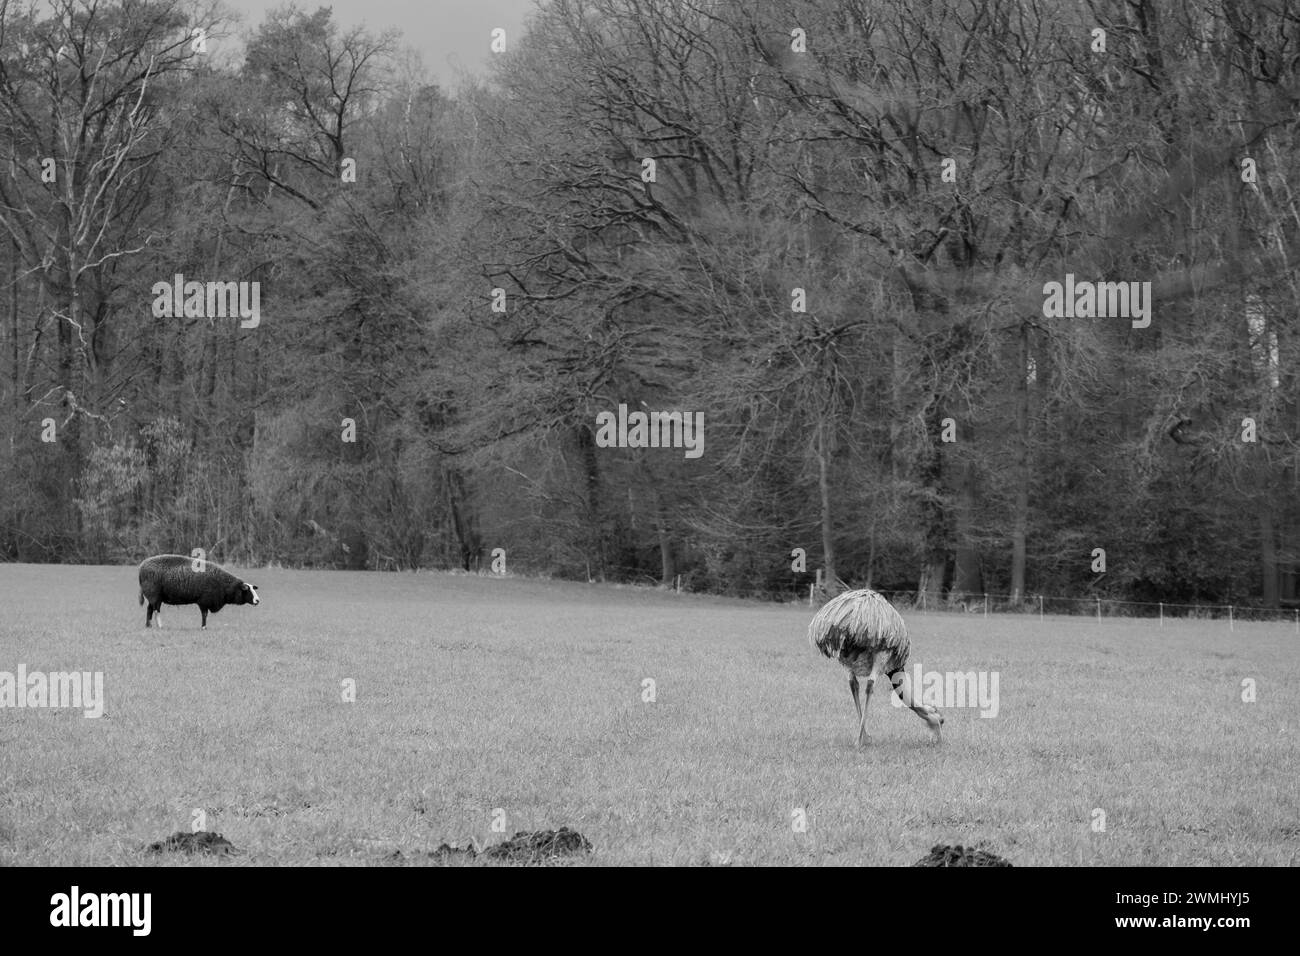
(252, 597)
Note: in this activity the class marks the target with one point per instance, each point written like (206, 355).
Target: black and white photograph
(553, 434)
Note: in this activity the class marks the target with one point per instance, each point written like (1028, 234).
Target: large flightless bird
(862, 631)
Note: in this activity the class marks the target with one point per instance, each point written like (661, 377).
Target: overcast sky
(449, 33)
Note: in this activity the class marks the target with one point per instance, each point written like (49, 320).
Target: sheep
(172, 579)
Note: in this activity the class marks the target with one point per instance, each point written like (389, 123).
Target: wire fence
(1095, 607)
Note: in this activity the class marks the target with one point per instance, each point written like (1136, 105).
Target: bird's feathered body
(855, 628)
(862, 631)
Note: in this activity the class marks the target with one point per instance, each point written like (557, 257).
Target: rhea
(862, 631)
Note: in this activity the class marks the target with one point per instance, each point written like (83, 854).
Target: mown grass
(476, 694)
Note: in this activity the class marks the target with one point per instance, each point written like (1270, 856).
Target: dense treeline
(826, 226)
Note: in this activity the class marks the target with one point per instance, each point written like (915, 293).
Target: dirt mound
(959, 855)
(455, 850)
(201, 842)
(539, 846)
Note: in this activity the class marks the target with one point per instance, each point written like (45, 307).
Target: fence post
(1162, 613)
(1231, 626)
(811, 587)
(1098, 608)
(986, 603)
(1040, 609)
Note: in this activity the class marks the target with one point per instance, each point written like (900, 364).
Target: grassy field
(478, 694)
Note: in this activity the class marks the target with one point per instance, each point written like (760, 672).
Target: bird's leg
(863, 739)
(853, 687)
(928, 714)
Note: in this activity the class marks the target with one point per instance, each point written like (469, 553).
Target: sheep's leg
(204, 612)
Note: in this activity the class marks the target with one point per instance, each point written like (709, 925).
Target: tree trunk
(934, 515)
(69, 434)
(462, 520)
(871, 555)
(824, 486)
(14, 350)
(357, 553)
(930, 589)
(967, 576)
(1268, 554)
(591, 471)
(668, 561)
(1020, 517)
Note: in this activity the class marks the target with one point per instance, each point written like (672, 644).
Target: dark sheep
(171, 579)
